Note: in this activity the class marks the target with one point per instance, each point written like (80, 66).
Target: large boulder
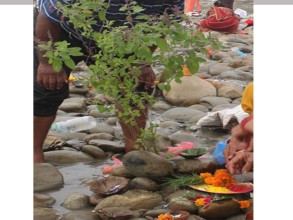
(189, 91)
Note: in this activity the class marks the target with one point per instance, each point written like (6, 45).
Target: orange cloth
(221, 19)
(189, 6)
(247, 99)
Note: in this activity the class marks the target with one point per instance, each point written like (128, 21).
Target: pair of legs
(189, 6)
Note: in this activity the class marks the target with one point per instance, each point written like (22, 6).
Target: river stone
(218, 68)
(220, 209)
(43, 200)
(67, 157)
(205, 67)
(47, 177)
(147, 164)
(76, 201)
(237, 101)
(219, 56)
(181, 114)
(181, 203)
(163, 142)
(102, 128)
(144, 183)
(121, 171)
(230, 92)
(182, 136)
(97, 114)
(78, 90)
(41, 213)
(199, 107)
(112, 121)
(237, 75)
(198, 166)
(95, 199)
(170, 124)
(75, 143)
(203, 75)
(52, 142)
(223, 106)
(189, 91)
(94, 151)
(80, 215)
(212, 101)
(196, 118)
(73, 105)
(113, 146)
(248, 69)
(161, 105)
(101, 136)
(134, 199)
(119, 213)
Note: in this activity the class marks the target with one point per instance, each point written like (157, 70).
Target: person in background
(51, 88)
(189, 6)
(239, 150)
(221, 18)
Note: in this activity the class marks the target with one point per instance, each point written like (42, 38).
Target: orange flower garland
(221, 178)
(166, 216)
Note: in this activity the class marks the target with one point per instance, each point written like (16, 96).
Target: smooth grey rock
(147, 164)
(81, 215)
(76, 201)
(105, 145)
(101, 136)
(144, 183)
(43, 200)
(67, 157)
(181, 114)
(94, 151)
(41, 213)
(189, 91)
(212, 101)
(73, 105)
(47, 177)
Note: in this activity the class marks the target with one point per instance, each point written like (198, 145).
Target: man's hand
(49, 79)
(242, 162)
(240, 140)
(147, 77)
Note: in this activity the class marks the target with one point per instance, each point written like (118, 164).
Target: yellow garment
(247, 99)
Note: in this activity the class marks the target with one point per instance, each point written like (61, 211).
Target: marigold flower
(166, 216)
(205, 175)
(209, 180)
(243, 204)
(199, 202)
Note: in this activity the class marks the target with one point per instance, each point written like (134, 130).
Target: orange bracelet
(245, 120)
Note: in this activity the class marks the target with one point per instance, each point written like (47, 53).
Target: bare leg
(131, 133)
(41, 128)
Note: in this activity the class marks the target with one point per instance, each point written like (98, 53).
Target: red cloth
(221, 19)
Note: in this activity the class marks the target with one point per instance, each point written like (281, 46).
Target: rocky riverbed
(66, 186)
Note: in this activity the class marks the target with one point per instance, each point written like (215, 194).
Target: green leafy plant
(183, 180)
(148, 139)
(126, 48)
